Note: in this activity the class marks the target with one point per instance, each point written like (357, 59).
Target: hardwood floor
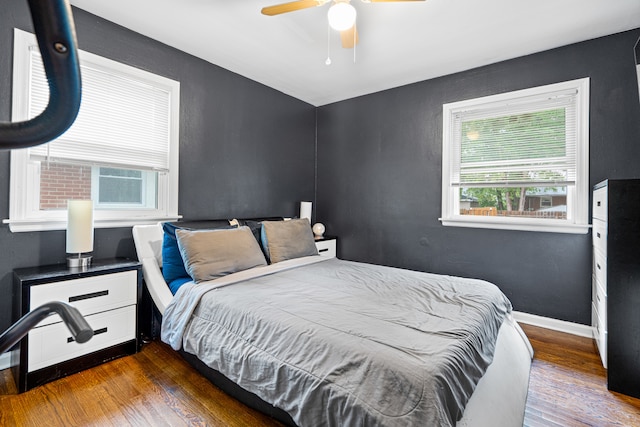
(157, 388)
(568, 385)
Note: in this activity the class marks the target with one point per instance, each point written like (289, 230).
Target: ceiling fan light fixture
(342, 16)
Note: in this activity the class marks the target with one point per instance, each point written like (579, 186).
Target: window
(121, 152)
(545, 202)
(518, 160)
(123, 188)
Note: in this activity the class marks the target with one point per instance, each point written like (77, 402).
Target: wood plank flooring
(568, 385)
(157, 388)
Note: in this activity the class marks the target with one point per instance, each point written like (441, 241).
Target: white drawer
(52, 344)
(600, 236)
(600, 335)
(327, 248)
(600, 269)
(600, 203)
(89, 295)
(600, 304)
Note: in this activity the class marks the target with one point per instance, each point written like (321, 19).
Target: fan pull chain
(328, 61)
(355, 32)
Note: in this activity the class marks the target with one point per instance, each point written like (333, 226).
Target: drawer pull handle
(599, 203)
(89, 296)
(598, 265)
(96, 332)
(598, 235)
(324, 250)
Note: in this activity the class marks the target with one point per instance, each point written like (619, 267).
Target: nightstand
(327, 246)
(107, 293)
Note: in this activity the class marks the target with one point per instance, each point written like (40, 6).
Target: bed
(317, 341)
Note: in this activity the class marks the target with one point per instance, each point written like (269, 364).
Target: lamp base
(80, 261)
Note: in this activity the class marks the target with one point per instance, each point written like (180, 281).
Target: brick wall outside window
(61, 182)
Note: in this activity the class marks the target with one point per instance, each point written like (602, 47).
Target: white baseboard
(5, 361)
(554, 324)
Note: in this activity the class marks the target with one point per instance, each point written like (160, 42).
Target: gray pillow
(209, 254)
(284, 240)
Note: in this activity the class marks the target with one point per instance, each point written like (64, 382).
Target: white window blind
(527, 142)
(122, 121)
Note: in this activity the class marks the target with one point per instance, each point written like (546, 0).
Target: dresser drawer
(326, 248)
(600, 335)
(600, 203)
(52, 344)
(89, 294)
(600, 236)
(600, 304)
(600, 269)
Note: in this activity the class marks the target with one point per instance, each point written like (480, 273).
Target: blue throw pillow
(264, 244)
(174, 285)
(173, 269)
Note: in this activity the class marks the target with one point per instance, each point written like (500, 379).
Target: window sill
(27, 225)
(546, 226)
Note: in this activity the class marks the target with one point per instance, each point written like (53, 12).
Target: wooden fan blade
(291, 6)
(349, 37)
(387, 1)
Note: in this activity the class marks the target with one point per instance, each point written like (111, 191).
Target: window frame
(24, 207)
(577, 221)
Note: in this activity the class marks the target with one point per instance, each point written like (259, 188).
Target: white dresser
(616, 282)
(599, 272)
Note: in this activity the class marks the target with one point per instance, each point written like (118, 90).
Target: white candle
(79, 226)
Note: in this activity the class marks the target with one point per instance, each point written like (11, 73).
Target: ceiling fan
(341, 15)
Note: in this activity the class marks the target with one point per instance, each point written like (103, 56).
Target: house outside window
(121, 152)
(518, 160)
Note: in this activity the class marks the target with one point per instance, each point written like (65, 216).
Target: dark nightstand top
(48, 273)
(320, 239)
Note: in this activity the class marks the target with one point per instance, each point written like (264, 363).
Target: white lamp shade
(79, 226)
(341, 16)
(305, 210)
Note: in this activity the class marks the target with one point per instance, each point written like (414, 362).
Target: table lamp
(79, 232)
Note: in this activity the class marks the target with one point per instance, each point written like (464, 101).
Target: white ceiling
(400, 43)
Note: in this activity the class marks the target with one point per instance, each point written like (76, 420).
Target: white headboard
(148, 241)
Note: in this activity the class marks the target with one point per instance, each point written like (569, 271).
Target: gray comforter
(340, 343)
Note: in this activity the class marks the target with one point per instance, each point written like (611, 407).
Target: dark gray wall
(379, 176)
(245, 149)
